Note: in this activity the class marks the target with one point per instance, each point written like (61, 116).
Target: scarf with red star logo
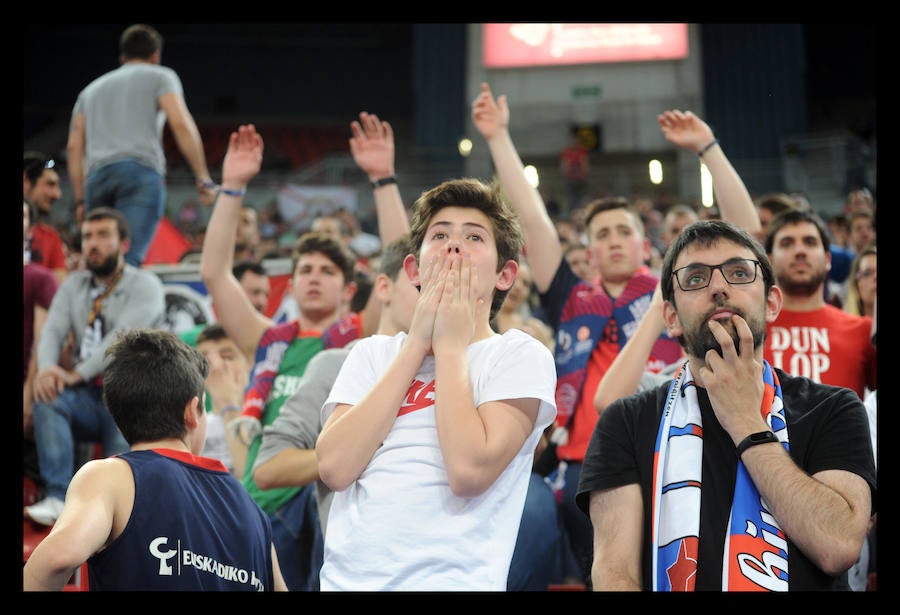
(756, 557)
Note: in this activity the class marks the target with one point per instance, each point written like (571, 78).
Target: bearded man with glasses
(734, 475)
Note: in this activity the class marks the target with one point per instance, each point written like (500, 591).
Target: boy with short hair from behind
(158, 517)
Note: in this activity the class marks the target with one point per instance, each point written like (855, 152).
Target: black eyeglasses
(697, 276)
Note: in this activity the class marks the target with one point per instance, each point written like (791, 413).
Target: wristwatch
(760, 437)
(384, 181)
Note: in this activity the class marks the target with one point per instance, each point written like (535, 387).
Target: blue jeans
(78, 414)
(536, 561)
(297, 537)
(136, 190)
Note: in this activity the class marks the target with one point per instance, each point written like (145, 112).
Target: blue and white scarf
(755, 556)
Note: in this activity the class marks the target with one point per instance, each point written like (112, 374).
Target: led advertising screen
(510, 45)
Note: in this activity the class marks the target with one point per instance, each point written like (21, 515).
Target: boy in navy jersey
(158, 517)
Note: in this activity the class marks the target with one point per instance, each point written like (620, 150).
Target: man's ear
(670, 317)
(507, 275)
(191, 414)
(381, 288)
(773, 304)
(411, 267)
(349, 291)
(645, 249)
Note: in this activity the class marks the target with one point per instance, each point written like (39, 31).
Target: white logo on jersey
(164, 568)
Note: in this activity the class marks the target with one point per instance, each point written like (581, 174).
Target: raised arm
(372, 147)
(686, 130)
(242, 322)
(624, 375)
(491, 118)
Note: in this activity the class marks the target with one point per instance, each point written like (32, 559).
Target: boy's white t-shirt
(399, 526)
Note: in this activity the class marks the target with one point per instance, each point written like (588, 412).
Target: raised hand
(243, 159)
(684, 129)
(490, 116)
(372, 146)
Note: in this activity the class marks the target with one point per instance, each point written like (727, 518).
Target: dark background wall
(332, 71)
(237, 71)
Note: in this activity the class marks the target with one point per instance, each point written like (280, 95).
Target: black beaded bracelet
(707, 147)
(384, 181)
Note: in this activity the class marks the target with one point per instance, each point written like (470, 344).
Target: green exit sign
(586, 91)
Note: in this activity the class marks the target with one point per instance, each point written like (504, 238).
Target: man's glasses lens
(697, 276)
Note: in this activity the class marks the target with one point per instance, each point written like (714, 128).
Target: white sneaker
(45, 512)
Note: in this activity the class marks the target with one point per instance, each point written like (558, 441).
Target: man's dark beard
(802, 288)
(697, 343)
(105, 268)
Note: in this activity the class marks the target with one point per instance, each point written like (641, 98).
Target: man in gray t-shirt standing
(115, 153)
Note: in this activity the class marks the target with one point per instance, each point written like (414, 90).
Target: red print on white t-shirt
(419, 396)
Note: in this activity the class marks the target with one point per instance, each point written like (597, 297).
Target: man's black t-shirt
(827, 430)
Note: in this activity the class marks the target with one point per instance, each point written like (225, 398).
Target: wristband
(707, 147)
(240, 192)
(209, 184)
(760, 437)
(229, 409)
(384, 181)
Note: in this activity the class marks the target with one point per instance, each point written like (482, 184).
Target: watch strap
(384, 181)
(760, 437)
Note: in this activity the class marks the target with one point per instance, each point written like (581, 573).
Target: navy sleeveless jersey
(193, 527)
